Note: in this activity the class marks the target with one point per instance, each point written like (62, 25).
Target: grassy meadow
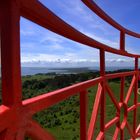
(62, 119)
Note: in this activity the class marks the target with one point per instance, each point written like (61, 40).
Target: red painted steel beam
(130, 130)
(119, 75)
(83, 115)
(21, 134)
(112, 122)
(13, 122)
(103, 99)
(13, 112)
(123, 123)
(138, 129)
(116, 133)
(10, 52)
(96, 9)
(5, 112)
(131, 108)
(135, 96)
(130, 90)
(111, 95)
(100, 136)
(47, 19)
(94, 113)
(41, 102)
(11, 134)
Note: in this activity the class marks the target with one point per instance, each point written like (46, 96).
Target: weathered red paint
(16, 115)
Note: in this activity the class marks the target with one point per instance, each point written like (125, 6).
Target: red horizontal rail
(49, 99)
(46, 100)
(121, 74)
(96, 9)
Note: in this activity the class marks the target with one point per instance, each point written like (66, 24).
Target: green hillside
(62, 120)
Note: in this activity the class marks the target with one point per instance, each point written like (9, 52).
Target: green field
(62, 120)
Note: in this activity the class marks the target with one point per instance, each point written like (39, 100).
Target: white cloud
(76, 9)
(83, 55)
(46, 60)
(69, 60)
(31, 57)
(119, 60)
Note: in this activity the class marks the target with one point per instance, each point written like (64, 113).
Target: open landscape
(62, 119)
(69, 70)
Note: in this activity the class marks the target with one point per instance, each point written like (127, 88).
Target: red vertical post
(122, 41)
(121, 100)
(102, 110)
(135, 96)
(10, 52)
(83, 115)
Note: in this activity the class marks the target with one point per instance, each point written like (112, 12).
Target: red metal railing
(16, 115)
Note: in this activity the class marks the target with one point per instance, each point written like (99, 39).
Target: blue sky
(40, 47)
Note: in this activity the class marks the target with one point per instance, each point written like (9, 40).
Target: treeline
(58, 81)
(63, 116)
(30, 86)
(33, 87)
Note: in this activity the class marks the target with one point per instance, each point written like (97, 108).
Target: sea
(43, 70)
(71, 70)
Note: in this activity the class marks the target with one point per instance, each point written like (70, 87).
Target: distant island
(67, 70)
